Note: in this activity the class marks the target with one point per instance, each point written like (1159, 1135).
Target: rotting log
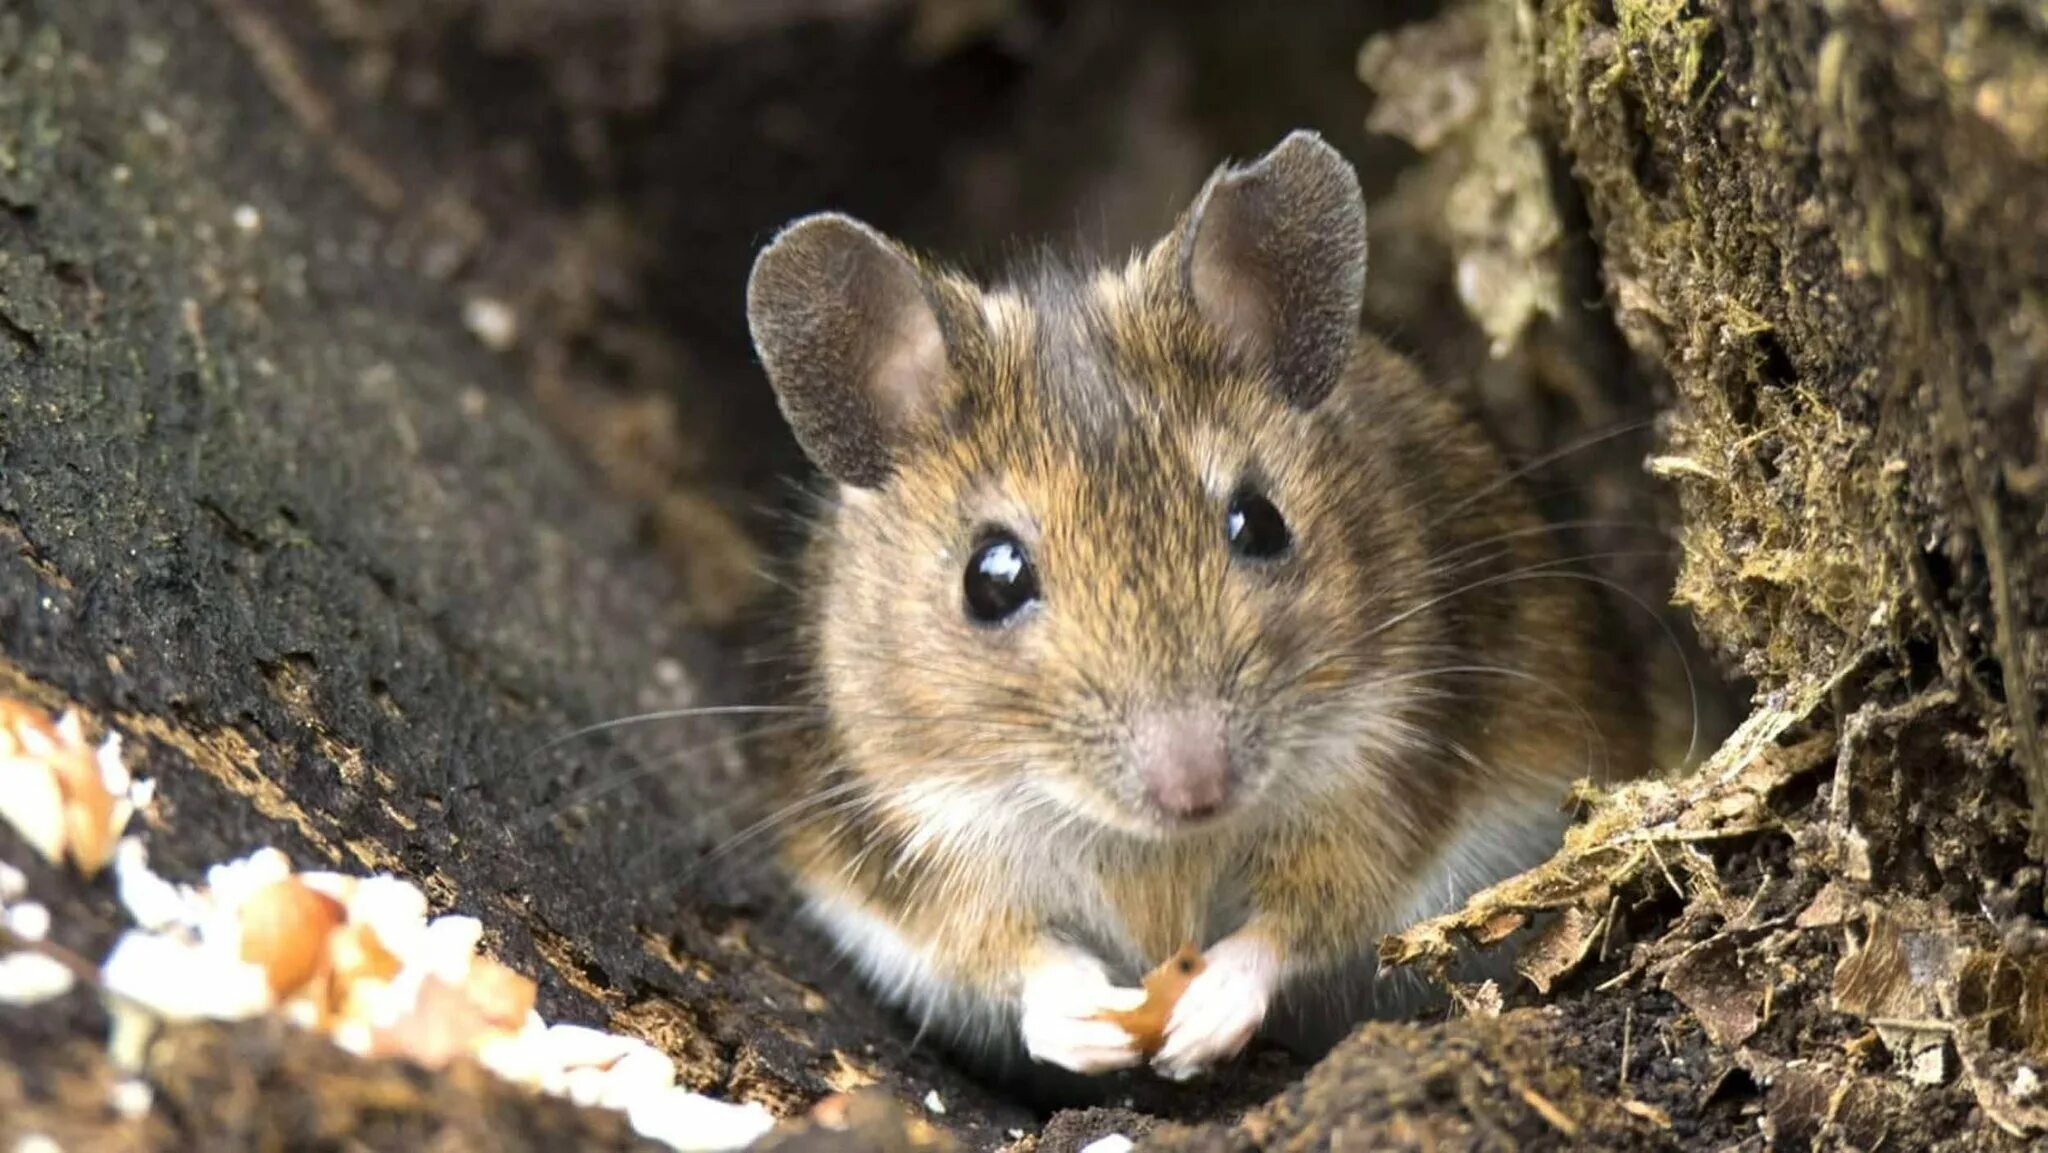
(275, 513)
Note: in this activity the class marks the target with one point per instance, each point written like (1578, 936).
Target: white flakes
(37, 1143)
(354, 1036)
(231, 883)
(643, 1071)
(131, 1027)
(132, 1098)
(156, 904)
(2026, 1084)
(518, 1058)
(446, 947)
(182, 982)
(30, 979)
(248, 219)
(13, 884)
(933, 1102)
(340, 886)
(394, 909)
(584, 1085)
(56, 789)
(114, 773)
(693, 1123)
(28, 920)
(1114, 1143)
(492, 321)
(303, 1012)
(574, 1045)
(31, 802)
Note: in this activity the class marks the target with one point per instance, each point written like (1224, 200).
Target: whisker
(1587, 723)
(1581, 445)
(667, 715)
(650, 766)
(1549, 527)
(1547, 571)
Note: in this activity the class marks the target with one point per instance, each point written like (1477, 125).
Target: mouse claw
(1063, 1000)
(1221, 1010)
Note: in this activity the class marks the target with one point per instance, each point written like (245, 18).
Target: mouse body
(1155, 603)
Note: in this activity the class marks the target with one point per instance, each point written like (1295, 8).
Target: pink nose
(1183, 758)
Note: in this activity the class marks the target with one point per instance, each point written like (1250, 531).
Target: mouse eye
(1000, 579)
(1255, 528)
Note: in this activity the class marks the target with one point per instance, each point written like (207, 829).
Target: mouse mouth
(1167, 823)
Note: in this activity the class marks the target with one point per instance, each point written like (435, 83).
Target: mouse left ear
(1272, 254)
(841, 320)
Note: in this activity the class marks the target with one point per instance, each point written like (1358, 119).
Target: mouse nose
(1183, 760)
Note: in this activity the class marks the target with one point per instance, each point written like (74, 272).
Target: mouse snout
(1183, 760)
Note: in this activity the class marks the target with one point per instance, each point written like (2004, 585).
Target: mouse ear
(1273, 255)
(840, 319)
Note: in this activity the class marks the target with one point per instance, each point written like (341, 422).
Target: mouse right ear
(1273, 256)
(842, 323)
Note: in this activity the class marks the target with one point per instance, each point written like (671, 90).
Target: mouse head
(1105, 542)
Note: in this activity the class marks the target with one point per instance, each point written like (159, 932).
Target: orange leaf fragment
(285, 927)
(1163, 988)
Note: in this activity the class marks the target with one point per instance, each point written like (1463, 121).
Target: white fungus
(693, 1123)
(31, 978)
(376, 974)
(27, 920)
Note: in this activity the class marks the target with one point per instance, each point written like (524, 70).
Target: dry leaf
(1712, 982)
(1559, 947)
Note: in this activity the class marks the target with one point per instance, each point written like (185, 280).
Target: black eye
(1255, 527)
(1000, 579)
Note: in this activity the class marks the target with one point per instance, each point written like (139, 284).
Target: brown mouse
(1153, 603)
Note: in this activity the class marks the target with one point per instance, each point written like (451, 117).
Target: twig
(1548, 1110)
(1666, 870)
(1628, 1025)
(1913, 1024)
(1607, 925)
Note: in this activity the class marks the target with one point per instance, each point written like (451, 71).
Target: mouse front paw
(1065, 994)
(1221, 1009)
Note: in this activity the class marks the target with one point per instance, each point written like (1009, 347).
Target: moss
(1830, 228)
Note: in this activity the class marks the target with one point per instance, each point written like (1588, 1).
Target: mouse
(1151, 602)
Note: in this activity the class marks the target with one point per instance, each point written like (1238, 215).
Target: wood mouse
(1155, 603)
